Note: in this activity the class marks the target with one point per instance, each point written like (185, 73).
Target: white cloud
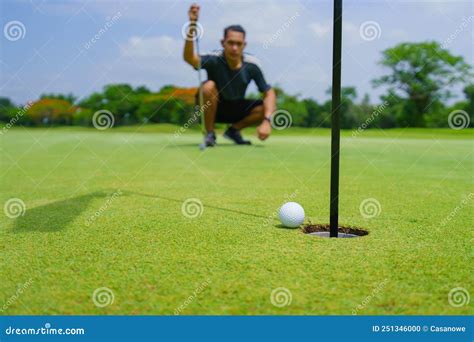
(320, 30)
(262, 20)
(152, 47)
(351, 33)
(153, 61)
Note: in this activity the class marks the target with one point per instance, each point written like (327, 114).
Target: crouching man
(229, 72)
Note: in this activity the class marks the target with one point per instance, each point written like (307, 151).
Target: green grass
(229, 259)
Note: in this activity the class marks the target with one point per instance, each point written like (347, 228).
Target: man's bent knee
(258, 110)
(209, 89)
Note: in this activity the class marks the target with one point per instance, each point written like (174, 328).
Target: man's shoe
(234, 134)
(210, 139)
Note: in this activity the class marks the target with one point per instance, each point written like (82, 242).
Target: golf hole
(322, 230)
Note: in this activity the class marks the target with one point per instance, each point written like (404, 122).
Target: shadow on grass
(205, 204)
(54, 216)
(57, 215)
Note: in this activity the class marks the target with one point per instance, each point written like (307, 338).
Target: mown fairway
(229, 259)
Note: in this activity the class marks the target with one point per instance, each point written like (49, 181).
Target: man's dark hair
(236, 28)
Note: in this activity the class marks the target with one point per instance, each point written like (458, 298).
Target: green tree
(314, 117)
(386, 113)
(466, 105)
(421, 74)
(469, 93)
(94, 102)
(6, 102)
(6, 107)
(120, 99)
(157, 109)
(82, 117)
(350, 116)
(167, 89)
(142, 90)
(51, 112)
(66, 97)
(292, 105)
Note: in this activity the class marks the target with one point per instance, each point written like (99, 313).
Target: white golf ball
(291, 214)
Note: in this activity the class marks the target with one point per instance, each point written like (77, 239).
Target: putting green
(105, 209)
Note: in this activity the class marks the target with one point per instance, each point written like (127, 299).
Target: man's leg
(255, 117)
(233, 132)
(210, 97)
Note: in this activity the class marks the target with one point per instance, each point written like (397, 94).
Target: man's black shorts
(232, 111)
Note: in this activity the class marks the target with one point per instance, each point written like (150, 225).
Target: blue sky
(143, 43)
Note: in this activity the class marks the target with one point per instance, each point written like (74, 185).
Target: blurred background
(61, 61)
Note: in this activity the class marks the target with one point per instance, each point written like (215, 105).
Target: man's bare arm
(189, 55)
(269, 106)
(269, 102)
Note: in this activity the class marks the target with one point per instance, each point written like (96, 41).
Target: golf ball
(291, 214)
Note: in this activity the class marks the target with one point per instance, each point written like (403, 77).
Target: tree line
(418, 84)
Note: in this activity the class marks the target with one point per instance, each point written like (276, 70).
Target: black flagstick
(335, 117)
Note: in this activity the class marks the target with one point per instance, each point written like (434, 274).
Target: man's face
(234, 44)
